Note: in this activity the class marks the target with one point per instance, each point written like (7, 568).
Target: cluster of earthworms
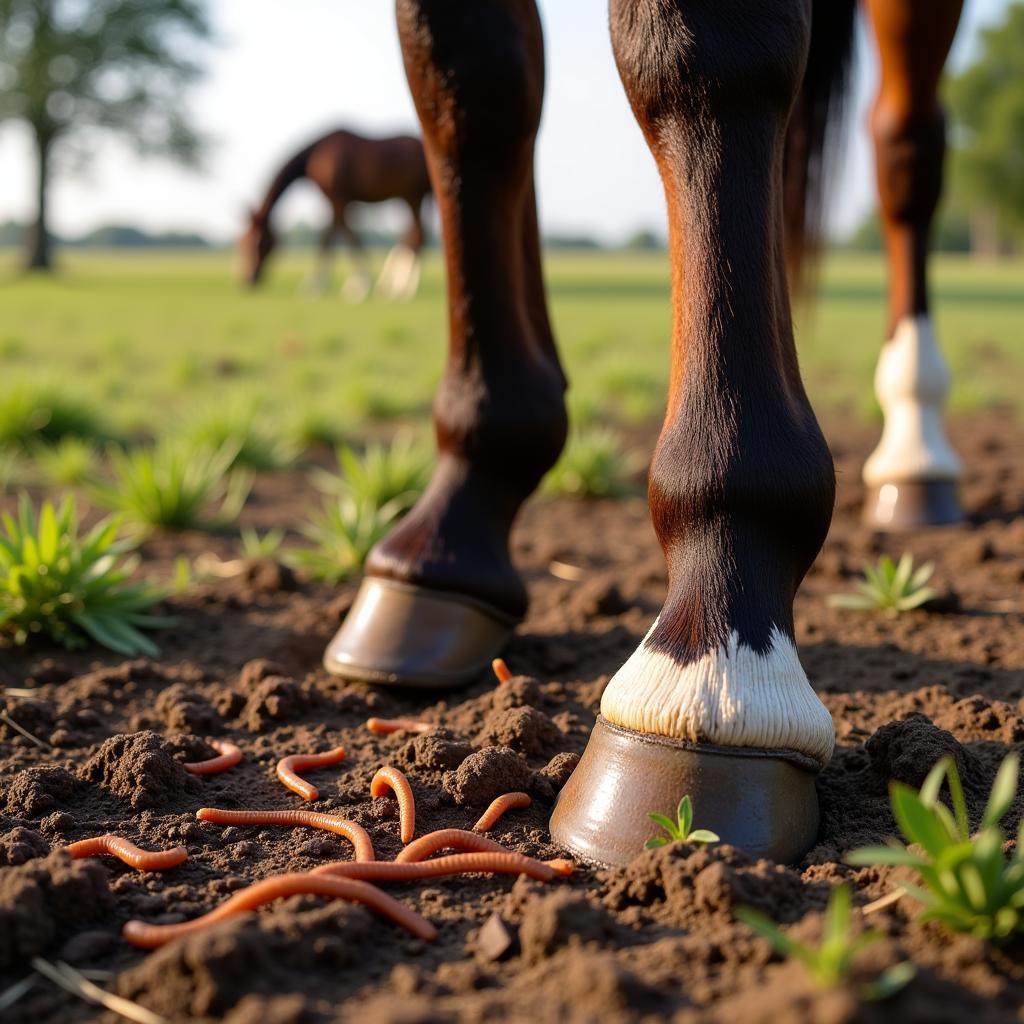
(347, 880)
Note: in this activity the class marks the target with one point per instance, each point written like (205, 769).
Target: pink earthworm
(289, 767)
(116, 846)
(230, 755)
(389, 725)
(499, 805)
(391, 778)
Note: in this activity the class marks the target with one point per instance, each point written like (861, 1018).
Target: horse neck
(294, 169)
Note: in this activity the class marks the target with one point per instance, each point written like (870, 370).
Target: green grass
(146, 338)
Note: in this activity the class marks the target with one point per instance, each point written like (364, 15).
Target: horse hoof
(398, 634)
(761, 801)
(912, 503)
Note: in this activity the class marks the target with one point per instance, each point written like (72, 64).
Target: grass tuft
(384, 475)
(30, 413)
(593, 465)
(245, 427)
(342, 536)
(72, 587)
(175, 486)
(67, 463)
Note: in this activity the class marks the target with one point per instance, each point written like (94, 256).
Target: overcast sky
(276, 82)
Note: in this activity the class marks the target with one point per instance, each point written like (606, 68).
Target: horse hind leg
(400, 276)
(359, 281)
(714, 702)
(912, 476)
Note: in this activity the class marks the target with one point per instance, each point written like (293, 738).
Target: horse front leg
(441, 595)
(912, 475)
(714, 703)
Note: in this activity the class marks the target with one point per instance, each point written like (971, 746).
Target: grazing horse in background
(348, 168)
(737, 100)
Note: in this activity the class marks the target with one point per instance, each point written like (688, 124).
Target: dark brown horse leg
(441, 594)
(912, 475)
(320, 280)
(714, 703)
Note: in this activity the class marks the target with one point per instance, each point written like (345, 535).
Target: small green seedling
(832, 961)
(255, 547)
(384, 474)
(173, 486)
(679, 831)
(593, 465)
(966, 882)
(342, 535)
(889, 587)
(56, 582)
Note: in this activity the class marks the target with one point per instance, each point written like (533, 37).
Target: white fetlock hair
(732, 696)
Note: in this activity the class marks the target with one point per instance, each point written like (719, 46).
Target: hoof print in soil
(47, 899)
(140, 768)
(487, 774)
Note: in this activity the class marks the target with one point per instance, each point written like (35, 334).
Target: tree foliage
(986, 104)
(71, 67)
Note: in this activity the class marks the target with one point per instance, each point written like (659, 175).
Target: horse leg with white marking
(912, 475)
(441, 595)
(714, 703)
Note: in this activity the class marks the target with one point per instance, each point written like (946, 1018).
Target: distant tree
(986, 104)
(645, 239)
(71, 66)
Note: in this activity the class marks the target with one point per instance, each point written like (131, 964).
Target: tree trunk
(38, 255)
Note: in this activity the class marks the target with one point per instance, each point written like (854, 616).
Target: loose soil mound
(657, 939)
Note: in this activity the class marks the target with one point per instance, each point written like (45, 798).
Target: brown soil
(656, 940)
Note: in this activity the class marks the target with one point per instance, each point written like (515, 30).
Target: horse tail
(814, 125)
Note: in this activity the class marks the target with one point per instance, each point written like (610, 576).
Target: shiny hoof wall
(911, 504)
(761, 801)
(397, 634)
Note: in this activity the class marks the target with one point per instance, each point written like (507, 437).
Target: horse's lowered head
(254, 247)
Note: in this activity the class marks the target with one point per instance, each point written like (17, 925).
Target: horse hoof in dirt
(404, 635)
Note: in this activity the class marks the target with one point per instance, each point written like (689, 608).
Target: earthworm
(501, 670)
(149, 936)
(352, 831)
(288, 767)
(391, 778)
(116, 846)
(230, 755)
(499, 805)
(457, 864)
(448, 838)
(389, 725)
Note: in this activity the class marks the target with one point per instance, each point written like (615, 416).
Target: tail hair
(813, 139)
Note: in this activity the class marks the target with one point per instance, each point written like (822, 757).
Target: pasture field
(150, 336)
(238, 592)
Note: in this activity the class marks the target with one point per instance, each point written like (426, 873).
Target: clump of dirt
(597, 597)
(34, 716)
(525, 729)
(906, 751)
(562, 919)
(35, 791)
(184, 710)
(45, 899)
(207, 974)
(518, 692)
(437, 751)
(21, 844)
(559, 768)
(141, 769)
(679, 884)
(487, 774)
(273, 699)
